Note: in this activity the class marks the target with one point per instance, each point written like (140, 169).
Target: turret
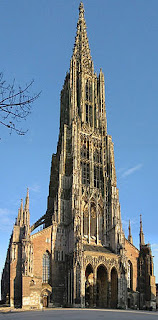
(23, 219)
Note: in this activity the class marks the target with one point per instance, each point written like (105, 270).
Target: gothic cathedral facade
(81, 256)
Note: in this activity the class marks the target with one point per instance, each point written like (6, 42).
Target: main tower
(83, 196)
(83, 187)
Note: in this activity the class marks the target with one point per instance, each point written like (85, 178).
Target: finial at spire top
(81, 9)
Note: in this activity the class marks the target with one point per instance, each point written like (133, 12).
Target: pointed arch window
(46, 268)
(84, 148)
(88, 104)
(85, 173)
(98, 177)
(93, 221)
(86, 221)
(130, 275)
(88, 91)
(100, 224)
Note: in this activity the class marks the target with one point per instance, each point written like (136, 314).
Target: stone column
(95, 288)
(97, 236)
(109, 289)
(89, 214)
(120, 291)
(68, 288)
(71, 287)
(82, 291)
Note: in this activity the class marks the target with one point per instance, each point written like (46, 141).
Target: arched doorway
(45, 298)
(45, 295)
(102, 285)
(114, 288)
(89, 286)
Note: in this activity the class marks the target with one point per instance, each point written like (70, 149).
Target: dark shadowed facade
(81, 256)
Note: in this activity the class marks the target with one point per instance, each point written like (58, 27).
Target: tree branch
(15, 104)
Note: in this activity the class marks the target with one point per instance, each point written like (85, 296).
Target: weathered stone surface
(81, 257)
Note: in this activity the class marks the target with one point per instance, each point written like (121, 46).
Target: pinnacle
(27, 193)
(141, 221)
(129, 225)
(27, 199)
(21, 203)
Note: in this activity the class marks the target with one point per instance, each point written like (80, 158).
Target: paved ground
(78, 314)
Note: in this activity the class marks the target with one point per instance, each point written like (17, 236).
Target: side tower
(17, 261)
(146, 278)
(83, 196)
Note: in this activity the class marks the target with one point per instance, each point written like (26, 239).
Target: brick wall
(132, 254)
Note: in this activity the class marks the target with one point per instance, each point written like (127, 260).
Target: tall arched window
(46, 268)
(85, 220)
(93, 221)
(130, 275)
(100, 224)
(88, 105)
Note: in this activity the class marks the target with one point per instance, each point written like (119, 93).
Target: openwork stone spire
(81, 50)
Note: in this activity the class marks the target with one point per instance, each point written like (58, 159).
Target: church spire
(81, 50)
(141, 234)
(130, 239)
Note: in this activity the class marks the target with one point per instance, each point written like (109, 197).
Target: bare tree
(15, 104)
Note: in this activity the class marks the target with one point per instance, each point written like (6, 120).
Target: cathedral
(80, 257)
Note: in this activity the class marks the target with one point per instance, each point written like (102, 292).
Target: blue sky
(37, 39)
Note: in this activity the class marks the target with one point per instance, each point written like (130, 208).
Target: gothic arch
(45, 296)
(102, 286)
(114, 287)
(89, 284)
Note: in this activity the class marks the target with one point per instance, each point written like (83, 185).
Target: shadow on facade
(17, 297)
(101, 291)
